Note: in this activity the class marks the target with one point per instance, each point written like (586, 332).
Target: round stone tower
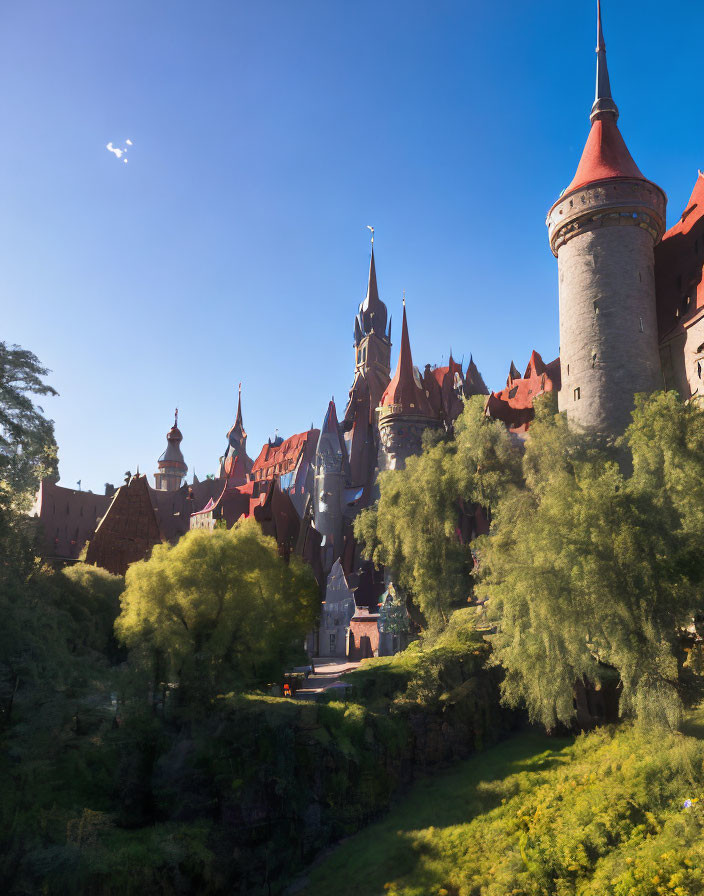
(603, 230)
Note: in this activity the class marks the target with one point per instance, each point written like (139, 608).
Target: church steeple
(603, 101)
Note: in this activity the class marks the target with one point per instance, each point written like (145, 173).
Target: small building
(363, 637)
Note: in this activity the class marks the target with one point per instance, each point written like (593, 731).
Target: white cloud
(116, 151)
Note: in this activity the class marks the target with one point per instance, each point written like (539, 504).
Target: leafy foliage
(616, 813)
(28, 451)
(587, 567)
(413, 528)
(218, 611)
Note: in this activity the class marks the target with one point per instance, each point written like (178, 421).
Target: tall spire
(372, 312)
(238, 419)
(403, 389)
(603, 101)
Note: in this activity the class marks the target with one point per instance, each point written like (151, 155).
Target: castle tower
(603, 230)
(372, 345)
(330, 475)
(234, 464)
(404, 412)
(372, 338)
(171, 465)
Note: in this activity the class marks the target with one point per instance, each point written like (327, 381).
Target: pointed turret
(372, 312)
(404, 391)
(473, 381)
(602, 230)
(372, 348)
(330, 475)
(171, 465)
(405, 410)
(235, 465)
(605, 155)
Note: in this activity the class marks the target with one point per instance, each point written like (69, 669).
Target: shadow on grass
(381, 852)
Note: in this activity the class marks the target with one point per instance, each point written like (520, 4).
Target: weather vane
(369, 227)
(176, 417)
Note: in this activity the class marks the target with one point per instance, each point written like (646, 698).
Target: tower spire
(603, 101)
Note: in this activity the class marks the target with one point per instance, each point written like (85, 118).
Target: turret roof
(605, 155)
(403, 389)
(236, 433)
(173, 456)
(372, 311)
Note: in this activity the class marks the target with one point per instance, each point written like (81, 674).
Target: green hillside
(603, 814)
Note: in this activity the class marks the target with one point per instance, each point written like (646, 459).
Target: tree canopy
(28, 451)
(218, 611)
(413, 527)
(592, 564)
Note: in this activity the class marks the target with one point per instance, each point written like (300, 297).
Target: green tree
(587, 568)
(413, 528)
(218, 611)
(28, 451)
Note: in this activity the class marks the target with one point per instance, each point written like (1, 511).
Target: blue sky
(266, 135)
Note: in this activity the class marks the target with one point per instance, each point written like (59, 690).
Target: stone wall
(608, 326)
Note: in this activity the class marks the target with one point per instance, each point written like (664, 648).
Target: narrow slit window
(577, 395)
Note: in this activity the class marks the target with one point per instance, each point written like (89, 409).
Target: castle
(631, 317)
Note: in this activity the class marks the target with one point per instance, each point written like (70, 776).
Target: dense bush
(618, 813)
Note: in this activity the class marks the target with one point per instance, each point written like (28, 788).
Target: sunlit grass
(603, 814)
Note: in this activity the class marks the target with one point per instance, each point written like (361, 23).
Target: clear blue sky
(266, 135)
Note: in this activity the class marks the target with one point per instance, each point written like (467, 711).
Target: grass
(602, 815)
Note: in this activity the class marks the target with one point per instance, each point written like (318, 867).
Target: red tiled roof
(514, 404)
(276, 459)
(679, 258)
(605, 156)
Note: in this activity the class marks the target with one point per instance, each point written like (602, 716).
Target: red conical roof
(605, 155)
(403, 389)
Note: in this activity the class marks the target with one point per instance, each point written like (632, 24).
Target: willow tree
(587, 568)
(217, 611)
(413, 528)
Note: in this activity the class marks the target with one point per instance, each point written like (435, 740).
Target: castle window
(641, 324)
(577, 395)
(596, 307)
(699, 369)
(568, 370)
